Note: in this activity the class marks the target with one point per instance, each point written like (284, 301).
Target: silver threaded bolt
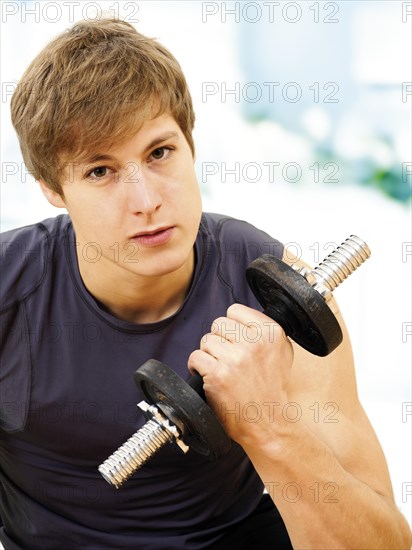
(343, 261)
(137, 450)
(141, 446)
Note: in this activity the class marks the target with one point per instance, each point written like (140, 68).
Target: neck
(136, 298)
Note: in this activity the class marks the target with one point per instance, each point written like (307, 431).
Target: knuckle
(206, 338)
(194, 357)
(217, 323)
(234, 309)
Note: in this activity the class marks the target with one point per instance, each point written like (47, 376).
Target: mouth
(155, 237)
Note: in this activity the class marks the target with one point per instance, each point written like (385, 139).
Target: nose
(142, 192)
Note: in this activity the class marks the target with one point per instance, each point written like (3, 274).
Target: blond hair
(94, 85)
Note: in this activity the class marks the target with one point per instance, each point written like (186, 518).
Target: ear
(52, 196)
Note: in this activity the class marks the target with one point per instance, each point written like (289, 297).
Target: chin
(158, 267)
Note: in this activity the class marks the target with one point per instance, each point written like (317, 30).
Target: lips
(155, 237)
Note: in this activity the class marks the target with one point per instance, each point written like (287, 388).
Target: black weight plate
(203, 431)
(291, 301)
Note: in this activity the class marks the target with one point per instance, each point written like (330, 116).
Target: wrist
(274, 437)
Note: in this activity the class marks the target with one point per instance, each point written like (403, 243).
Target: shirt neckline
(107, 317)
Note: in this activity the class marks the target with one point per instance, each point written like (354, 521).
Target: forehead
(150, 133)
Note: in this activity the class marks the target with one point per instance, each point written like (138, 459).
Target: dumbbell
(176, 410)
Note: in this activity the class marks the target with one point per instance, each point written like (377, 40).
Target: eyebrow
(161, 139)
(104, 157)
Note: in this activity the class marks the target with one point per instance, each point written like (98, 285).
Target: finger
(236, 331)
(201, 362)
(247, 315)
(218, 347)
(252, 318)
(226, 329)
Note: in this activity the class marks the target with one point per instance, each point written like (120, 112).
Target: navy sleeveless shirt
(68, 399)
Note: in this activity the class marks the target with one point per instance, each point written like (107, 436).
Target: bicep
(325, 391)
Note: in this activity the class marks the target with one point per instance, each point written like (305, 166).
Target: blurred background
(304, 129)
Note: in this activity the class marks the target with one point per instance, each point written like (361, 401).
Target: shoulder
(25, 255)
(228, 246)
(238, 238)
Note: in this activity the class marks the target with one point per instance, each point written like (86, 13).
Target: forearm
(323, 505)
(330, 482)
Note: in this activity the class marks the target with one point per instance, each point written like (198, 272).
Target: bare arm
(329, 480)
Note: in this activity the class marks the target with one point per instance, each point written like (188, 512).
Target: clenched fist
(245, 362)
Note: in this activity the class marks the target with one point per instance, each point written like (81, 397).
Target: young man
(136, 271)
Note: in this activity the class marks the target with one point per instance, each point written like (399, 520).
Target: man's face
(136, 206)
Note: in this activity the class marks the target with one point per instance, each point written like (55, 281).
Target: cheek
(192, 187)
(92, 214)
(191, 204)
(104, 202)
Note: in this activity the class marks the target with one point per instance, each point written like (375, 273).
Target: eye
(161, 153)
(98, 172)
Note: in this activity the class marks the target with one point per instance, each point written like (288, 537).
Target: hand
(245, 362)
